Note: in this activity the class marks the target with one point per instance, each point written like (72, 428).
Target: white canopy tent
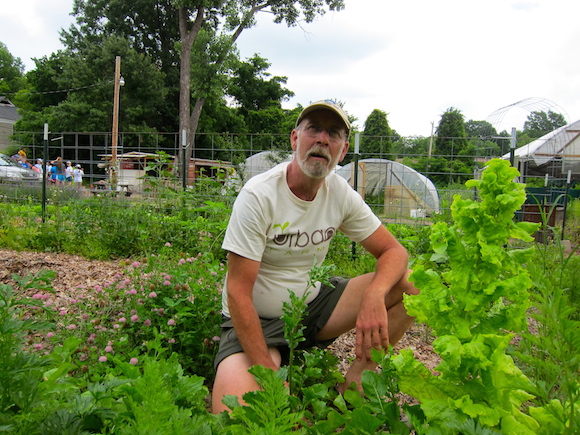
(406, 192)
(557, 151)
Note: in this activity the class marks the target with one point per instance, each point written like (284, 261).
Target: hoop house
(554, 153)
(405, 191)
(262, 162)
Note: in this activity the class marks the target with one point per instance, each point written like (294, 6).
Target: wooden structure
(132, 168)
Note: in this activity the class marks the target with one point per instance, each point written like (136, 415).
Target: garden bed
(76, 278)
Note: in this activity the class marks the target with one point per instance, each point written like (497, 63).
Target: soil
(77, 276)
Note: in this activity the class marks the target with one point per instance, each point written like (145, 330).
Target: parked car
(12, 172)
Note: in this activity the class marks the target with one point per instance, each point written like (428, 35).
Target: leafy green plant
(471, 297)
(176, 297)
(550, 356)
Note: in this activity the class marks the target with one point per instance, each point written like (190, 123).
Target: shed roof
(8, 111)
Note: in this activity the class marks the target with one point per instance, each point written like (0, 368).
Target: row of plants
(134, 356)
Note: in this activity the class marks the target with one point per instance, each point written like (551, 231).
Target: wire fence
(149, 165)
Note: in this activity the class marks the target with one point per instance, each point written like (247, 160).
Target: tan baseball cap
(326, 105)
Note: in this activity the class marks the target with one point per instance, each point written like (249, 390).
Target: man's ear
(344, 151)
(293, 139)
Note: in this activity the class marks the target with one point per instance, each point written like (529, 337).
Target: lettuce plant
(474, 295)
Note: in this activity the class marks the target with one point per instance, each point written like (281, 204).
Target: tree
(258, 95)
(253, 88)
(377, 141)
(87, 77)
(163, 26)
(483, 138)
(238, 15)
(540, 123)
(452, 150)
(11, 72)
(480, 129)
(150, 27)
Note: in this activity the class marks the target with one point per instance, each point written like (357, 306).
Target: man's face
(320, 142)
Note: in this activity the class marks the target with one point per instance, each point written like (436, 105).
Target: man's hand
(372, 327)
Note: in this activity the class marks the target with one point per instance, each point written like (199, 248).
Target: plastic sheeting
(262, 162)
(562, 144)
(404, 190)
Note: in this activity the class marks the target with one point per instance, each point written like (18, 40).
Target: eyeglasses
(334, 133)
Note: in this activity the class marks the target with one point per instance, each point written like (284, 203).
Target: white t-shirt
(271, 225)
(78, 175)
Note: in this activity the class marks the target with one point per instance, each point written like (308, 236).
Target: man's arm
(242, 273)
(372, 325)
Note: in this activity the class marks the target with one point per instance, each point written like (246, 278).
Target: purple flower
(108, 349)
(134, 318)
(168, 244)
(171, 322)
(171, 340)
(147, 322)
(72, 326)
(166, 282)
(103, 358)
(152, 295)
(49, 335)
(135, 264)
(133, 361)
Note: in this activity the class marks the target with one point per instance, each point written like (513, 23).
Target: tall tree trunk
(189, 121)
(188, 36)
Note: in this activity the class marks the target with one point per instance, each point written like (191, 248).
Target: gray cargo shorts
(319, 311)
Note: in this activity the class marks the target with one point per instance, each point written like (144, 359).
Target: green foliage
(104, 227)
(473, 289)
(451, 137)
(550, 356)
(254, 90)
(540, 123)
(157, 327)
(20, 372)
(377, 141)
(11, 72)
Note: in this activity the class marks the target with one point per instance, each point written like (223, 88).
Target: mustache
(319, 152)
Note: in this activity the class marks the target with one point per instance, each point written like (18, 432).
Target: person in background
(78, 176)
(58, 171)
(38, 166)
(24, 163)
(68, 173)
(283, 218)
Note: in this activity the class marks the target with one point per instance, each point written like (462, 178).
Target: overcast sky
(411, 59)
